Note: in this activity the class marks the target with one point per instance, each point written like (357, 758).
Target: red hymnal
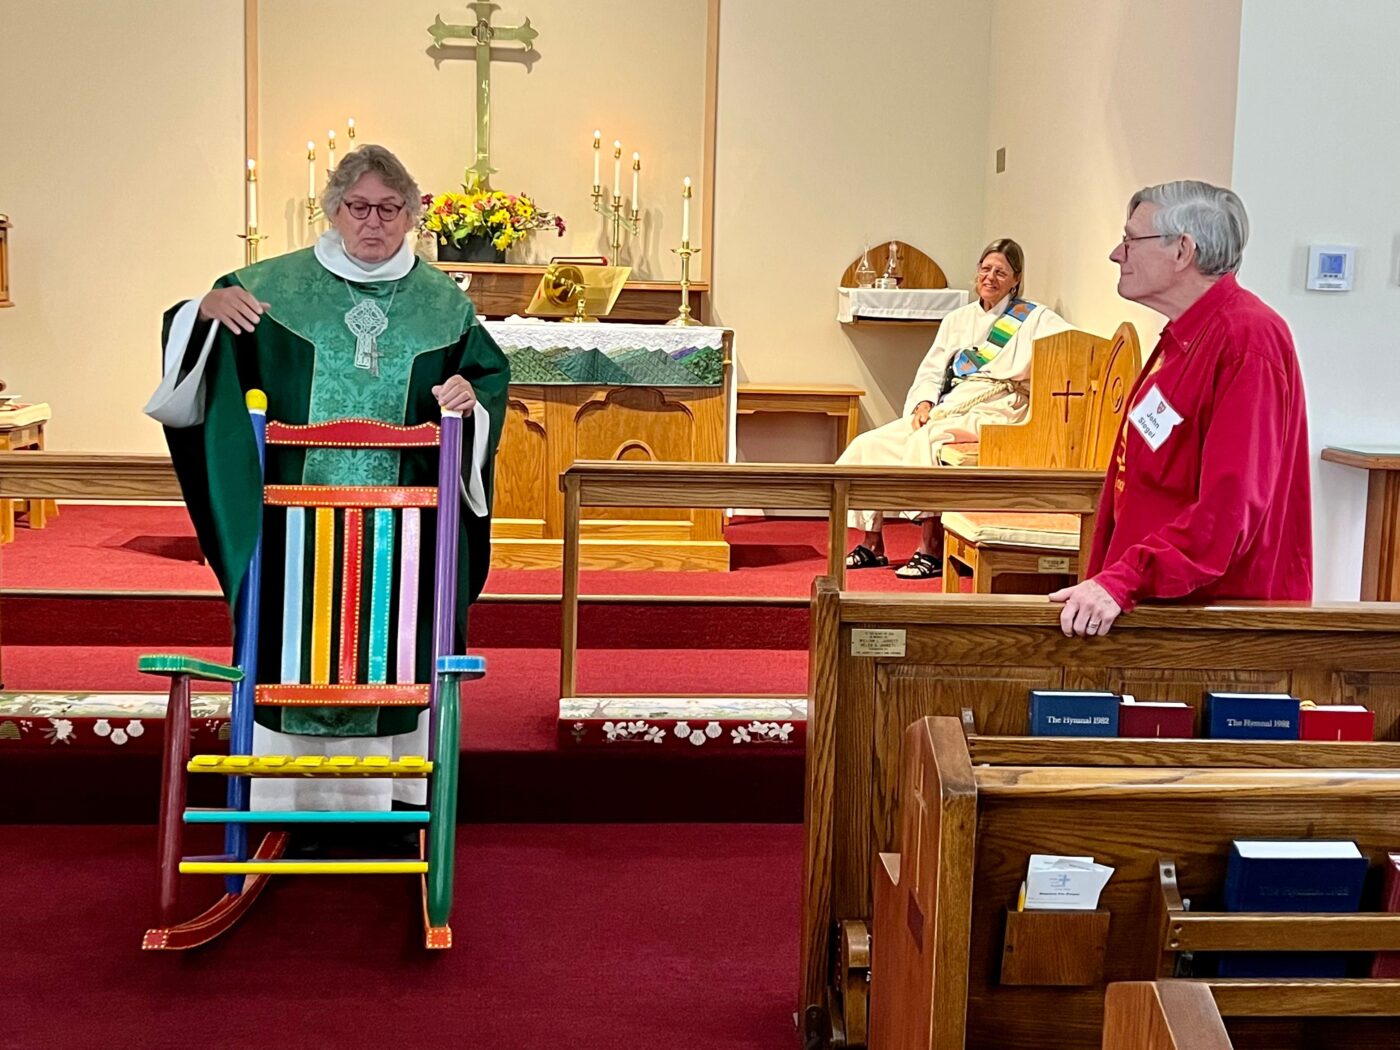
(1156, 720)
(1337, 722)
(1387, 964)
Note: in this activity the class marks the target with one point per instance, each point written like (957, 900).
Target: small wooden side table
(1380, 559)
(16, 437)
(840, 402)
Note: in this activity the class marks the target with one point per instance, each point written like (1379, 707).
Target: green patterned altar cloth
(611, 354)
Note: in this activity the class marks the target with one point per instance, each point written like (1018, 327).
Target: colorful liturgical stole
(967, 362)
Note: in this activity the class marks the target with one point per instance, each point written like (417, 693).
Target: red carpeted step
(663, 936)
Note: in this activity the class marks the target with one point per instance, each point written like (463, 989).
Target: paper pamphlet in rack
(1064, 883)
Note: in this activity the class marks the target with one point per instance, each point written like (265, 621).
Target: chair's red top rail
(353, 433)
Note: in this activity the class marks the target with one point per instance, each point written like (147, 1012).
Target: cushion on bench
(959, 454)
(1058, 531)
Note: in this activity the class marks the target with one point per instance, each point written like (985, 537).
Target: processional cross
(484, 34)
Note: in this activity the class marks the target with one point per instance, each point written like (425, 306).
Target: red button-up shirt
(1222, 509)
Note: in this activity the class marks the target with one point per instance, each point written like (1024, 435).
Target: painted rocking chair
(367, 641)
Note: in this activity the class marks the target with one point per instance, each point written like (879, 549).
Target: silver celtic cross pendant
(367, 322)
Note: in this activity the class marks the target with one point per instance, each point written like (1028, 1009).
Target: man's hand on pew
(1089, 609)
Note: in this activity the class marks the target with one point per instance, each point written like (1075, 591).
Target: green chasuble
(302, 355)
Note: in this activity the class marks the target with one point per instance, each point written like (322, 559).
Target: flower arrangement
(501, 218)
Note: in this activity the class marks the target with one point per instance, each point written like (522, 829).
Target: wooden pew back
(1126, 817)
(880, 663)
(1079, 392)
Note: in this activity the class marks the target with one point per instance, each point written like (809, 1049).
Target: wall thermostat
(1331, 267)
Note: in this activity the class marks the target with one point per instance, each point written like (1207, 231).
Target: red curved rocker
(393, 530)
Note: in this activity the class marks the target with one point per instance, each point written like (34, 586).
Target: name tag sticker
(872, 641)
(1154, 418)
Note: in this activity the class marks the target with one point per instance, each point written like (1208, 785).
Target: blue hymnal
(1071, 713)
(1252, 716)
(1291, 877)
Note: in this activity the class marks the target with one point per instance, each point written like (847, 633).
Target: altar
(610, 391)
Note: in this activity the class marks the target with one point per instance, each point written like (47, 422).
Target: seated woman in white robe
(976, 372)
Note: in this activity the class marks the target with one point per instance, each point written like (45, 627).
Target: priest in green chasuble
(355, 326)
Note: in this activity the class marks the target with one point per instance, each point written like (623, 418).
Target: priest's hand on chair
(236, 309)
(1089, 609)
(921, 411)
(456, 395)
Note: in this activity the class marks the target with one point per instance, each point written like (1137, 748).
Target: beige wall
(1093, 99)
(838, 124)
(632, 68)
(120, 144)
(1318, 82)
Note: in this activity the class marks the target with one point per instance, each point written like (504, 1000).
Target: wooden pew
(881, 662)
(1189, 1015)
(1078, 394)
(954, 964)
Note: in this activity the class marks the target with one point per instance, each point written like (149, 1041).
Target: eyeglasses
(388, 211)
(988, 271)
(1145, 237)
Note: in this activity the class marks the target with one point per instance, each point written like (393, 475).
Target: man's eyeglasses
(388, 211)
(1145, 237)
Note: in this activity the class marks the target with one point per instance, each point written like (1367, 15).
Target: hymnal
(1303, 876)
(1057, 712)
(1387, 964)
(1251, 716)
(1337, 722)
(1156, 719)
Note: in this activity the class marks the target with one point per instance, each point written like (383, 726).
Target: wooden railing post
(568, 642)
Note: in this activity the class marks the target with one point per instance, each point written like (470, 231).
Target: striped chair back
(354, 566)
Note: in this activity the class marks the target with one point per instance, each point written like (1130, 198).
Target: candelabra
(685, 251)
(612, 209)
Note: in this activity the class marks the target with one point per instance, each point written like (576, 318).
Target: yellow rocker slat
(303, 867)
(312, 765)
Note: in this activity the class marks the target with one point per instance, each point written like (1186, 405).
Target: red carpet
(651, 937)
(92, 547)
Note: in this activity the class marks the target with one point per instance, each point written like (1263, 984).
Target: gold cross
(484, 35)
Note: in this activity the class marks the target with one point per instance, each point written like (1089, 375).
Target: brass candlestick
(250, 244)
(685, 251)
(631, 221)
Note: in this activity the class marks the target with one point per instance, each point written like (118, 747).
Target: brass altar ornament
(685, 251)
(571, 289)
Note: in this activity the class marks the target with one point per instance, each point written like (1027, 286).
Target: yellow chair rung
(303, 867)
(311, 765)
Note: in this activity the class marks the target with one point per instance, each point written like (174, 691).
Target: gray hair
(1211, 216)
(360, 162)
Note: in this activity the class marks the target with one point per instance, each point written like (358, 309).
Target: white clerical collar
(331, 253)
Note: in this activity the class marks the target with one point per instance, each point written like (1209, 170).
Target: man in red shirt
(1208, 495)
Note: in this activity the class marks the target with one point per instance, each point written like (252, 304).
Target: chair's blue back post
(246, 660)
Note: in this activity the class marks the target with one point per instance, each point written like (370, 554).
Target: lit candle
(597, 154)
(350, 131)
(617, 169)
(685, 211)
(252, 194)
(330, 150)
(636, 174)
(310, 170)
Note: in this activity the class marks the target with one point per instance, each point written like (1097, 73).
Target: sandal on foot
(920, 566)
(862, 557)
